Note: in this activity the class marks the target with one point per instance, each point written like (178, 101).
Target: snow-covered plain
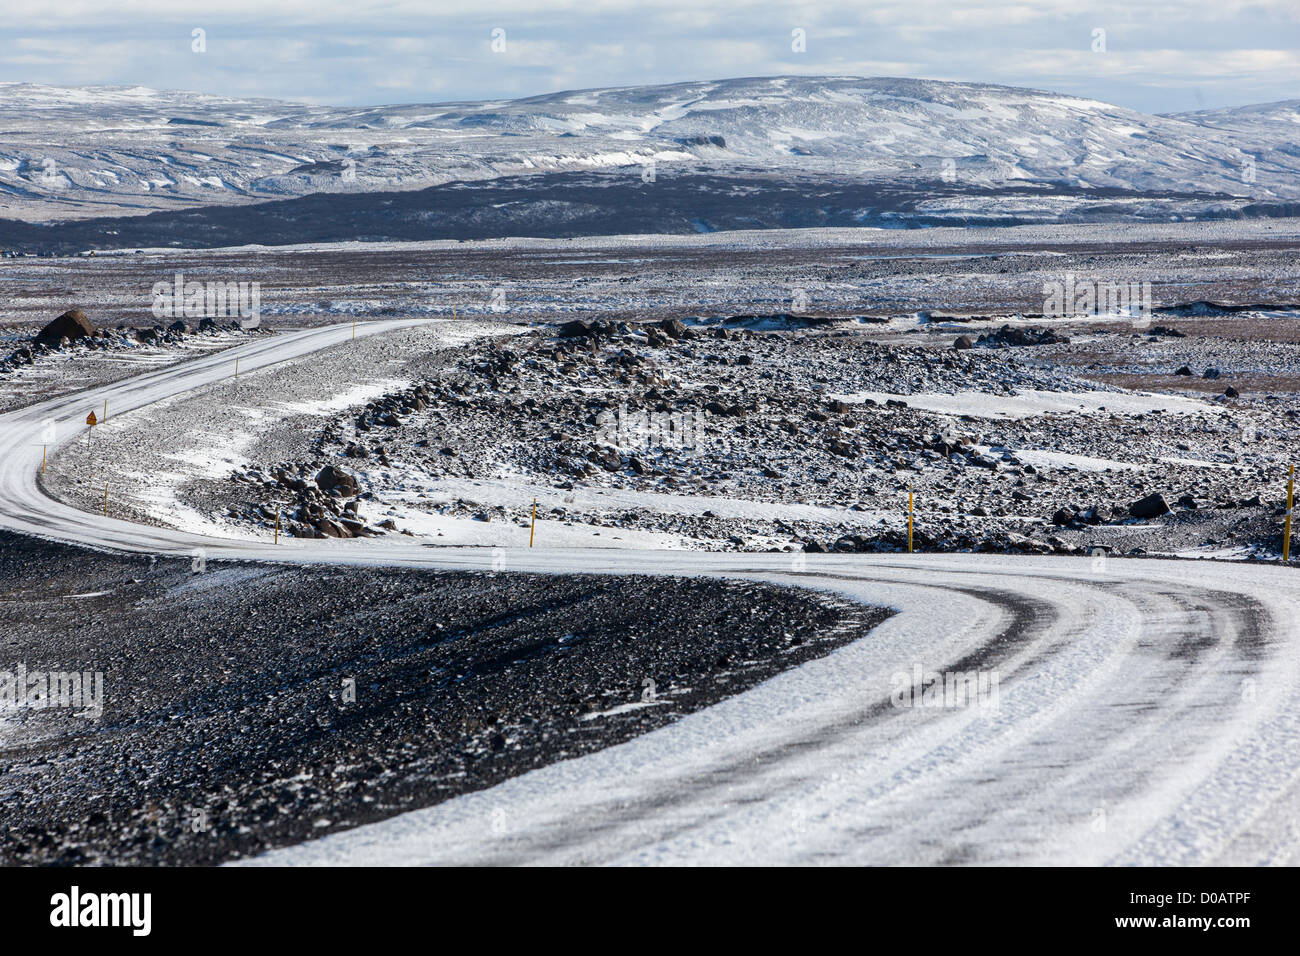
(1146, 709)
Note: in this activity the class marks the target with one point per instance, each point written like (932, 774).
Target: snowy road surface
(1145, 711)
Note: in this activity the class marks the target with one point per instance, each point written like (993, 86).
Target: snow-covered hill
(77, 152)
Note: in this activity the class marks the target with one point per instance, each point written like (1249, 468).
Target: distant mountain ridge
(74, 153)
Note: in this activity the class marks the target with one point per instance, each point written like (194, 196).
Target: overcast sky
(1158, 57)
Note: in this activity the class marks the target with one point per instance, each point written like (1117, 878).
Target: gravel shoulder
(252, 706)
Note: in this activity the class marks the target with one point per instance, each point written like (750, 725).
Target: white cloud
(353, 51)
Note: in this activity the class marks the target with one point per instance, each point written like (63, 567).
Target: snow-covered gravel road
(1146, 711)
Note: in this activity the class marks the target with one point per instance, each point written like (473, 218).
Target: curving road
(1146, 711)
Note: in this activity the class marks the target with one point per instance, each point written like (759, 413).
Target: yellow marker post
(106, 501)
(909, 522)
(354, 328)
(277, 527)
(105, 418)
(43, 459)
(1290, 499)
(533, 529)
(236, 368)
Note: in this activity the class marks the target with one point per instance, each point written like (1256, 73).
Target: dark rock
(576, 329)
(333, 479)
(1152, 506)
(1183, 370)
(673, 328)
(331, 529)
(963, 342)
(71, 325)
(1013, 336)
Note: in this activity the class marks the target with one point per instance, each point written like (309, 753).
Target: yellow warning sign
(91, 419)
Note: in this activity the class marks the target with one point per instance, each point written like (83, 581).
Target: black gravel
(226, 729)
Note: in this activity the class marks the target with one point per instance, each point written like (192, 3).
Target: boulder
(334, 480)
(331, 529)
(963, 342)
(1012, 336)
(1152, 506)
(578, 329)
(71, 325)
(673, 328)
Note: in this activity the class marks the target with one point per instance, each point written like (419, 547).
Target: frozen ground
(916, 279)
(1143, 709)
(453, 429)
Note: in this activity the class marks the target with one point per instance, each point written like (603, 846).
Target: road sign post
(1286, 529)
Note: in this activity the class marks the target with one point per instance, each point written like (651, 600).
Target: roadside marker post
(105, 418)
(105, 500)
(236, 367)
(354, 329)
(532, 530)
(43, 448)
(1290, 500)
(277, 527)
(909, 522)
